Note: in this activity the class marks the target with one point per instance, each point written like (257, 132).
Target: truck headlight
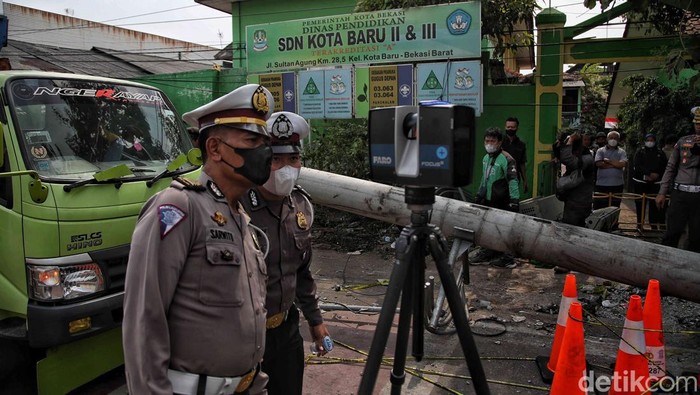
(64, 282)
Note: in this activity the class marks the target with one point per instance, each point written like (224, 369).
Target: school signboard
(446, 31)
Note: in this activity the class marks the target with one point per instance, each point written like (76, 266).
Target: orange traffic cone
(653, 331)
(571, 365)
(567, 297)
(631, 367)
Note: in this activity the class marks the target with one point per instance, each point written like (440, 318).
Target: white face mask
(281, 181)
(649, 144)
(612, 143)
(491, 148)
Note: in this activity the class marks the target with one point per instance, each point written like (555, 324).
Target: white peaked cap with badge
(287, 129)
(695, 112)
(246, 108)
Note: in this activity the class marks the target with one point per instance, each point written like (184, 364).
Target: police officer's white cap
(247, 108)
(287, 129)
(695, 112)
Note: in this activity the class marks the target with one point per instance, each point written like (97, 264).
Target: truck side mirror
(194, 156)
(37, 190)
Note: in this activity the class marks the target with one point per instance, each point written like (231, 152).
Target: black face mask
(511, 132)
(257, 162)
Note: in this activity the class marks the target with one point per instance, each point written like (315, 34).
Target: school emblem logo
(458, 22)
(259, 40)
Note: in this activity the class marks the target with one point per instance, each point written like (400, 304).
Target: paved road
(523, 301)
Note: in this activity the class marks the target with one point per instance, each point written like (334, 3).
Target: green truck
(79, 155)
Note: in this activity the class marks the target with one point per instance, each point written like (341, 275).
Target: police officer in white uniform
(194, 313)
(284, 212)
(682, 181)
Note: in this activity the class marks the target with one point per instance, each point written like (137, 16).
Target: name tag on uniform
(214, 234)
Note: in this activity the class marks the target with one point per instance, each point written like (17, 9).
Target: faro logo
(381, 160)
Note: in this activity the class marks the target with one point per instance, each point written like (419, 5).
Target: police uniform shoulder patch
(169, 216)
(190, 184)
(214, 190)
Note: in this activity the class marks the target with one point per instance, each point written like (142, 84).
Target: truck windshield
(70, 129)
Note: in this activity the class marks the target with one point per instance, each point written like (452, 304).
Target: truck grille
(113, 262)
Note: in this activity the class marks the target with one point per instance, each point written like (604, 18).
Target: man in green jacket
(498, 189)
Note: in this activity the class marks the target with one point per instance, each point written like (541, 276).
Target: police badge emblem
(282, 128)
(214, 190)
(253, 198)
(301, 221)
(219, 218)
(260, 104)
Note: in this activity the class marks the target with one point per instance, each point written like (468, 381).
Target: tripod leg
(405, 246)
(454, 300)
(398, 372)
(418, 282)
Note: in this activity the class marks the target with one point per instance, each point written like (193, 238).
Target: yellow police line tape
(379, 282)
(610, 327)
(421, 373)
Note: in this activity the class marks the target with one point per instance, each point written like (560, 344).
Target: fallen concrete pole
(622, 259)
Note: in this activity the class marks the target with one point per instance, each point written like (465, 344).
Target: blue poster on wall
(289, 93)
(405, 88)
(454, 82)
(338, 93)
(311, 94)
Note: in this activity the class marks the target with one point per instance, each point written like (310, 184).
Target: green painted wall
(501, 102)
(190, 90)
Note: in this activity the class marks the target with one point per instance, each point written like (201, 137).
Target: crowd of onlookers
(598, 172)
(658, 170)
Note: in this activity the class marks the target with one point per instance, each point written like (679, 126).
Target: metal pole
(618, 258)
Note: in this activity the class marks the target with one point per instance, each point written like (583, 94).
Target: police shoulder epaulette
(302, 191)
(190, 184)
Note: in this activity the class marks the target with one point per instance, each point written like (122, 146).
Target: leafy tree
(670, 18)
(497, 17)
(667, 19)
(340, 148)
(653, 107)
(594, 97)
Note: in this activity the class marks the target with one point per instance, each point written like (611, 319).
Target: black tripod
(412, 246)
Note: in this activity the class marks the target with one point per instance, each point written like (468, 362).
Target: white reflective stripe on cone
(564, 310)
(633, 338)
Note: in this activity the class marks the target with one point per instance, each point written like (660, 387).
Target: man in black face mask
(194, 299)
(516, 148)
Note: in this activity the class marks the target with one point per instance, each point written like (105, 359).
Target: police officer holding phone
(682, 181)
(194, 300)
(284, 212)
